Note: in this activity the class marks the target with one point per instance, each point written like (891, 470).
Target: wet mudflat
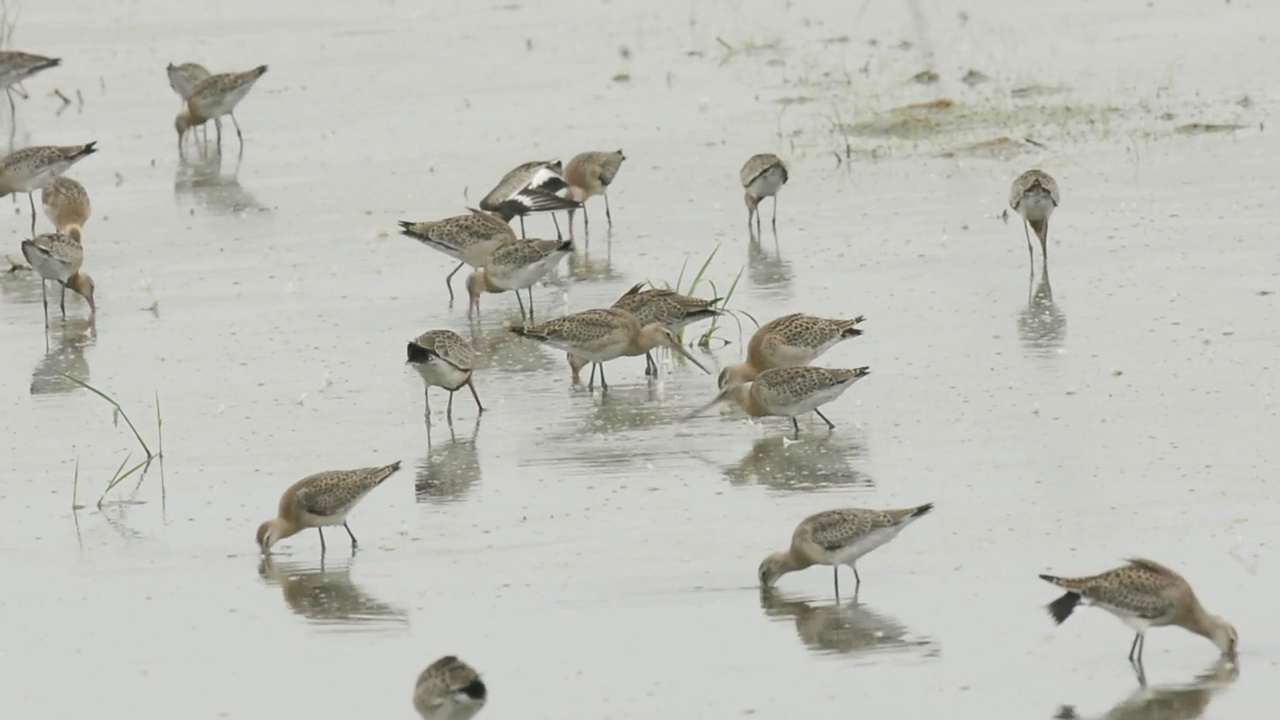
(594, 556)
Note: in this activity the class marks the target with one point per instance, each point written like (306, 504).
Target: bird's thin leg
(448, 282)
(835, 573)
(557, 222)
(1031, 253)
(474, 395)
(352, 535)
(62, 301)
(608, 215)
(795, 425)
(530, 302)
(522, 236)
(217, 124)
(1133, 649)
(1044, 247)
(521, 301)
(591, 383)
(44, 297)
(239, 135)
(426, 415)
(830, 425)
(13, 109)
(857, 581)
(448, 413)
(31, 197)
(571, 212)
(775, 213)
(604, 384)
(650, 367)
(586, 221)
(322, 547)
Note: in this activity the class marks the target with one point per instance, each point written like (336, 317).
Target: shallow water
(594, 556)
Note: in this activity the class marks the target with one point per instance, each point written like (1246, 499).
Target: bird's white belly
(767, 184)
(48, 267)
(863, 545)
(1035, 207)
(810, 402)
(441, 374)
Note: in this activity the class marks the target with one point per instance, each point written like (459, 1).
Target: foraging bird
(762, 176)
(213, 97)
(18, 66)
(598, 336)
(1143, 594)
(66, 204)
(34, 168)
(321, 500)
(531, 187)
(1034, 196)
(444, 359)
(789, 392)
(589, 174)
(795, 339)
(184, 78)
(58, 257)
(516, 265)
(835, 538)
(469, 239)
(673, 310)
(449, 689)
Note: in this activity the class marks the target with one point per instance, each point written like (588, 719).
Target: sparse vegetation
(121, 474)
(704, 340)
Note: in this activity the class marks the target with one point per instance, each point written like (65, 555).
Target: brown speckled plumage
(1034, 196)
(516, 265)
(795, 339)
(322, 499)
(790, 391)
(469, 239)
(444, 359)
(449, 689)
(589, 174)
(66, 204)
(668, 307)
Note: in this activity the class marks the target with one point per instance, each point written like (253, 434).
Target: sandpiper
(838, 537)
(531, 187)
(443, 359)
(1034, 195)
(598, 336)
(18, 66)
(184, 78)
(762, 176)
(66, 204)
(795, 339)
(33, 168)
(1143, 594)
(56, 256)
(213, 97)
(589, 174)
(789, 392)
(449, 689)
(516, 265)
(321, 500)
(469, 238)
(660, 305)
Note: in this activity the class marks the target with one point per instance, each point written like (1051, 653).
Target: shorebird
(1143, 594)
(213, 97)
(589, 174)
(449, 689)
(184, 78)
(528, 188)
(795, 339)
(668, 307)
(66, 204)
(516, 265)
(762, 176)
(469, 238)
(33, 168)
(835, 538)
(443, 359)
(598, 336)
(789, 392)
(321, 500)
(58, 257)
(1034, 195)
(18, 66)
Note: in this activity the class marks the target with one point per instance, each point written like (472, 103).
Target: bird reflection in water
(1042, 326)
(1168, 702)
(582, 266)
(767, 271)
(327, 596)
(65, 354)
(449, 470)
(848, 628)
(821, 461)
(203, 183)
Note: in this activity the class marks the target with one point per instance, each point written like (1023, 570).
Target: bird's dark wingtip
(1062, 608)
(922, 510)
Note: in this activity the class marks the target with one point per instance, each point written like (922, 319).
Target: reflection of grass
(8, 23)
(121, 473)
(704, 340)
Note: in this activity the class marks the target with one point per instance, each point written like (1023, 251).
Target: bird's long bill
(689, 356)
(717, 399)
